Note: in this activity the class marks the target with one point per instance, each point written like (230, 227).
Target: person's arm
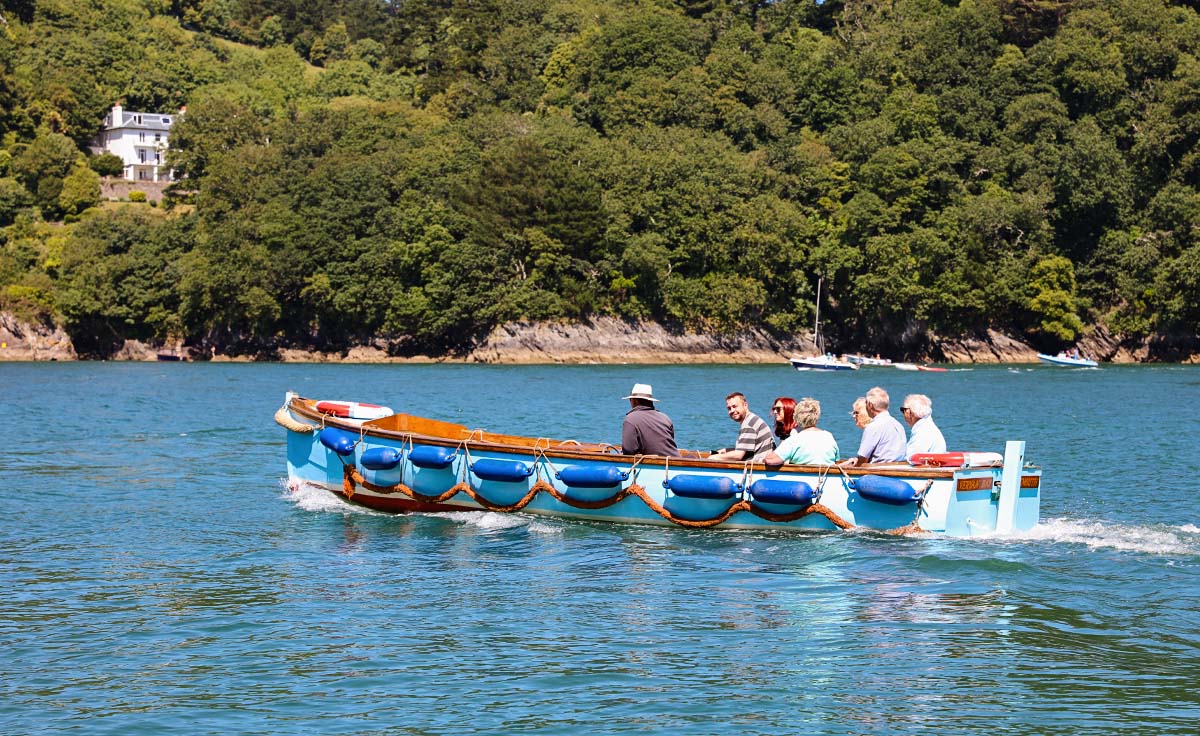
(773, 459)
(728, 455)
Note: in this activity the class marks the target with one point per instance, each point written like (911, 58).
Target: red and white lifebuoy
(354, 410)
(956, 459)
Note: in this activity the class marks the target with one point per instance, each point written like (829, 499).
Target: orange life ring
(353, 409)
(956, 459)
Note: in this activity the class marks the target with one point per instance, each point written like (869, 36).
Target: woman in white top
(807, 445)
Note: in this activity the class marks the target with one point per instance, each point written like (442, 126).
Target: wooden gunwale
(519, 445)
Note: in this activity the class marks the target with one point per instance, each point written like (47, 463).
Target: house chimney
(116, 116)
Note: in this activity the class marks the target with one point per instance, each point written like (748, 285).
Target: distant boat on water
(169, 356)
(1068, 361)
(820, 360)
(862, 360)
(822, 363)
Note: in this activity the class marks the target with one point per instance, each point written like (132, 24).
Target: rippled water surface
(158, 577)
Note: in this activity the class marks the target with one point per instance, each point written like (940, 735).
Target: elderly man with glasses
(883, 437)
(924, 436)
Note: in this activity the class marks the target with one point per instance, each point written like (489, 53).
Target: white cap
(642, 391)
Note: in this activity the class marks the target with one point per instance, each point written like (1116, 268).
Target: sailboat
(821, 360)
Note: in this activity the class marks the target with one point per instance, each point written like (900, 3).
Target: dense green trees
(417, 172)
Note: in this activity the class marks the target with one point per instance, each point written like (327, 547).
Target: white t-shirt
(925, 437)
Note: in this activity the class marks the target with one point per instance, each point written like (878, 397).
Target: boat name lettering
(1031, 481)
(974, 484)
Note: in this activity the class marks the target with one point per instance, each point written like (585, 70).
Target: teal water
(158, 577)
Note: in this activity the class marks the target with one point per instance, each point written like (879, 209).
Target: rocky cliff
(611, 340)
(21, 340)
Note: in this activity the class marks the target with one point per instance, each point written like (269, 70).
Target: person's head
(859, 412)
(877, 401)
(808, 411)
(783, 410)
(736, 407)
(641, 395)
(915, 408)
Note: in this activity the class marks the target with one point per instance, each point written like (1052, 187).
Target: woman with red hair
(784, 411)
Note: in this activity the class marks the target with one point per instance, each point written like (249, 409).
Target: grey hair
(919, 404)
(808, 411)
(878, 399)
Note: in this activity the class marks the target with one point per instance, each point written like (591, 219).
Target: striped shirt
(755, 438)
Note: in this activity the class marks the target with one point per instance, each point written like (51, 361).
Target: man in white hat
(646, 430)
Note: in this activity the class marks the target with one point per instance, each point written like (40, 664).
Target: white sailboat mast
(817, 322)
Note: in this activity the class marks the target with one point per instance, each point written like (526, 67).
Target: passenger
(808, 445)
(647, 431)
(883, 439)
(784, 411)
(917, 411)
(859, 412)
(754, 436)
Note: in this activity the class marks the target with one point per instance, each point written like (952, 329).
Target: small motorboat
(402, 463)
(918, 367)
(822, 363)
(865, 360)
(1068, 361)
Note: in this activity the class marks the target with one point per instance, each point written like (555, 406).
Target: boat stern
(982, 503)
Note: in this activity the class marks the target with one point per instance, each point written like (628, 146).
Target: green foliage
(1029, 166)
(107, 164)
(80, 190)
(1053, 301)
(13, 198)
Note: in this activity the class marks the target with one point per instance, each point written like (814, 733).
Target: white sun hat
(642, 391)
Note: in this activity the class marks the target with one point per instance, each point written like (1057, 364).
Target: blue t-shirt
(883, 440)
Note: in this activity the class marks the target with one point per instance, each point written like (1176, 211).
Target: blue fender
(893, 491)
(793, 492)
(381, 458)
(335, 439)
(702, 486)
(506, 471)
(599, 476)
(430, 456)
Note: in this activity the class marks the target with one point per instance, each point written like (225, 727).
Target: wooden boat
(403, 463)
(1068, 361)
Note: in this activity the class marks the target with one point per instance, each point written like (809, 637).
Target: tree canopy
(418, 172)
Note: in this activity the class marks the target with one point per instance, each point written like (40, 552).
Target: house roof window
(166, 121)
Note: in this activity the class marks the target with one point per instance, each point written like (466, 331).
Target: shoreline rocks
(608, 340)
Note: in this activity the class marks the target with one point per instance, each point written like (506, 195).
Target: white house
(140, 139)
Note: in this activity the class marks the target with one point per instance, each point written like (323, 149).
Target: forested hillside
(417, 171)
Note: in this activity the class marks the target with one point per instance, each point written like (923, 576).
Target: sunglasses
(776, 408)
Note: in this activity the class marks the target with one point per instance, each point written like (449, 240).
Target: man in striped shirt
(754, 439)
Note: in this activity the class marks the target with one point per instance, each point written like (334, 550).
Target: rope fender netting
(353, 479)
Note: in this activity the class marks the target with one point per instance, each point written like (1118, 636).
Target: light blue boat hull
(958, 502)
(1067, 362)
